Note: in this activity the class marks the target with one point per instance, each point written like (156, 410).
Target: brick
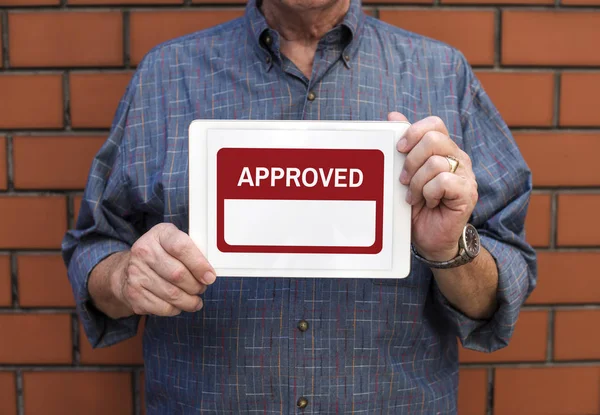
(93, 393)
(48, 162)
(22, 3)
(472, 391)
(95, 97)
(151, 28)
(59, 39)
(528, 343)
(24, 95)
(583, 286)
(573, 339)
(566, 150)
(8, 391)
(547, 38)
(128, 352)
(523, 98)
(577, 99)
(43, 281)
(3, 164)
(448, 26)
(542, 391)
(122, 2)
(576, 224)
(5, 282)
(32, 221)
(537, 223)
(369, 11)
(36, 339)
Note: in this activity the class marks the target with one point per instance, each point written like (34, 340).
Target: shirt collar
(260, 31)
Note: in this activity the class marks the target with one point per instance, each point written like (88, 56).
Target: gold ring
(453, 162)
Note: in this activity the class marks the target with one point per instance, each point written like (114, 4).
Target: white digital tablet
(299, 198)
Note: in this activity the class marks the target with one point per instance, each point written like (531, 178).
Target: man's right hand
(163, 274)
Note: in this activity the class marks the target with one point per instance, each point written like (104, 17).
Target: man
(216, 344)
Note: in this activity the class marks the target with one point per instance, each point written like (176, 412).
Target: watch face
(472, 241)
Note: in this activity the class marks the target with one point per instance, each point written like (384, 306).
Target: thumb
(396, 116)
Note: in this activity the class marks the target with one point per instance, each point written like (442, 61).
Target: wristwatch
(468, 249)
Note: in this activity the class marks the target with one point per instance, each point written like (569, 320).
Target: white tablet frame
(397, 222)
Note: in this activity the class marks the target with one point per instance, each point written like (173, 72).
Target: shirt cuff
(513, 285)
(101, 330)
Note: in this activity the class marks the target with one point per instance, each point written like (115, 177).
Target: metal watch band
(461, 259)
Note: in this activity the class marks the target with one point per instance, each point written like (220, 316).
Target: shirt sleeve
(504, 186)
(105, 225)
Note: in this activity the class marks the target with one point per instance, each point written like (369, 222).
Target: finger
(180, 246)
(466, 164)
(140, 277)
(143, 302)
(433, 143)
(172, 294)
(432, 167)
(417, 131)
(170, 269)
(159, 307)
(396, 116)
(451, 189)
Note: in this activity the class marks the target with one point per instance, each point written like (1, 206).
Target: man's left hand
(441, 201)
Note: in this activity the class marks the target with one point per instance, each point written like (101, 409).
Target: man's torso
(372, 347)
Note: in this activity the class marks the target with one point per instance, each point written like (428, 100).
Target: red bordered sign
(299, 199)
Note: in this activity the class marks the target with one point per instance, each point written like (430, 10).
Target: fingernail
(200, 305)
(404, 177)
(209, 277)
(408, 196)
(402, 144)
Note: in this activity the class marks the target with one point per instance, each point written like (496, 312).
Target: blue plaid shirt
(372, 346)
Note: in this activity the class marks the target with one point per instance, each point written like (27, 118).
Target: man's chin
(305, 5)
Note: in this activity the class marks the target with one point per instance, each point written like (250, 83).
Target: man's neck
(305, 25)
(301, 28)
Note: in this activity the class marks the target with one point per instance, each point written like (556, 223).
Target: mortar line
(66, 100)
(10, 186)
(550, 339)
(14, 279)
(491, 372)
(553, 219)
(70, 210)
(5, 59)
(19, 381)
(69, 368)
(556, 109)
(498, 38)
(127, 39)
(75, 334)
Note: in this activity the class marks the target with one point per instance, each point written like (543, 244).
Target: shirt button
(268, 40)
(302, 403)
(346, 58)
(268, 60)
(303, 325)
(311, 96)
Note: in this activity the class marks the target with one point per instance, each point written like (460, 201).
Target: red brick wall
(64, 65)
